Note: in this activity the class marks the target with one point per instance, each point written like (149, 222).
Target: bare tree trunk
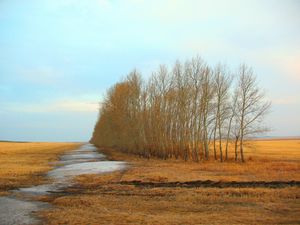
(236, 148)
(242, 150)
(220, 142)
(215, 148)
(227, 139)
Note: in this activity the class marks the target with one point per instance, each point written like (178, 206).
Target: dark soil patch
(214, 184)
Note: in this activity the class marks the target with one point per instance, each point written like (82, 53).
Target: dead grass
(98, 200)
(23, 164)
(276, 160)
(275, 149)
(101, 199)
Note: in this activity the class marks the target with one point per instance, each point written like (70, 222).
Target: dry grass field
(24, 164)
(105, 199)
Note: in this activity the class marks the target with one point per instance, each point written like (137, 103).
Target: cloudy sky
(57, 57)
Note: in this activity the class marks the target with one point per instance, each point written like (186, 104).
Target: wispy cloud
(286, 100)
(63, 105)
(41, 75)
(284, 60)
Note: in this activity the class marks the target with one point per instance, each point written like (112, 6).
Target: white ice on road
(85, 160)
(86, 168)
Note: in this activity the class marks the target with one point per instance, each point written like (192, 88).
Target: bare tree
(251, 106)
(222, 82)
(231, 116)
(178, 112)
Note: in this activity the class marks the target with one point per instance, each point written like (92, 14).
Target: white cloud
(286, 100)
(63, 105)
(285, 60)
(104, 3)
(75, 106)
(290, 66)
(40, 75)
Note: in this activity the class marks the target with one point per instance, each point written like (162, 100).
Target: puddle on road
(85, 160)
(14, 211)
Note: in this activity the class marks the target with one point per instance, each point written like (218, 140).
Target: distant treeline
(191, 111)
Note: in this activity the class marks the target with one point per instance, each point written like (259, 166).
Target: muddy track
(215, 184)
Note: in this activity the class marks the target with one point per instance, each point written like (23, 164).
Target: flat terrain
(127, 198)
(24, 164)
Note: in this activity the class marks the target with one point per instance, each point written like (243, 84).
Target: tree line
(191, 111)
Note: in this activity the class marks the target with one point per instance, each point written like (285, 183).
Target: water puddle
(19, 209)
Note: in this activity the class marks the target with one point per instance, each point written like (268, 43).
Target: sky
(58, 57)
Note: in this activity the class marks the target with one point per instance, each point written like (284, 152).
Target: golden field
(24, 164)
(107, 199)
